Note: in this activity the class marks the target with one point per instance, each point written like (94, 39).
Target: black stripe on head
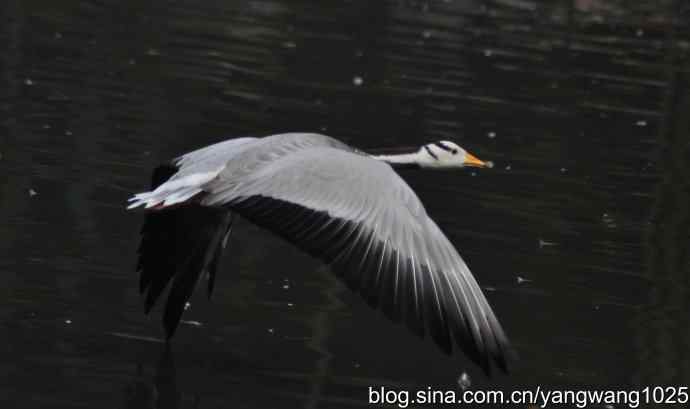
(433, 155)
(444, 146)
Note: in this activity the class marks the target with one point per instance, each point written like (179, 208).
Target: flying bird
(344, 206)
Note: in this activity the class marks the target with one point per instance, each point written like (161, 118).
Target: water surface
(579, 235)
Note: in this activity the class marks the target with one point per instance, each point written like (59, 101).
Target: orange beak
(473, 161)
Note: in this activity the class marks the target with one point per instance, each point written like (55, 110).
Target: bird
(344, 206)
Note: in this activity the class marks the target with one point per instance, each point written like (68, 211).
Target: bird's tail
(178, 244)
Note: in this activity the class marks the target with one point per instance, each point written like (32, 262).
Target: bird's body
(342, 205)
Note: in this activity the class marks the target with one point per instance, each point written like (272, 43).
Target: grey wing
(212, 156)
(269, 147)
(360, 217)
(231, 161)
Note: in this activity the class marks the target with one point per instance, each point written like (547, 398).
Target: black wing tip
(177, 247)
(151, 297)
(503, 357)
(171, 320)
(210, 284)
(169, 333)
(509, 358)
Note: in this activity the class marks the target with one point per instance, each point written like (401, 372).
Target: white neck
(403, 160)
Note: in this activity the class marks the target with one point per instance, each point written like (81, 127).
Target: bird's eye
(454, 151)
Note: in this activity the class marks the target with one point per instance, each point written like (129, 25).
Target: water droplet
(641, 122)
(68, 322)
(426, 34)
(358, 81)
(289, 44)
(521, 280)
(491, 135)
(489, 164)
(357, 365)
(509, 167)
(464, 381)
(639, 32)
(290, 304)
(68, 132)
(132, 61)
(286, 286)
(488, 53)
(608, 221)
(28, 82)
(187, 305)
(543, 243)
(153, 51)
(58, 35)
(32, 193)
(473, 174)
(563, 170)
(271, 330)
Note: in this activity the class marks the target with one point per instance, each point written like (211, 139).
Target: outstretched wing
(360, 217)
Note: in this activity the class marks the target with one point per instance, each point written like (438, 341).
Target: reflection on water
(578, 235)
(159, 393)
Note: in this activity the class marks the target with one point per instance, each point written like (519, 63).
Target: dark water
(579, 235)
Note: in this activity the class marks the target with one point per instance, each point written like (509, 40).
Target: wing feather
(360, 217)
